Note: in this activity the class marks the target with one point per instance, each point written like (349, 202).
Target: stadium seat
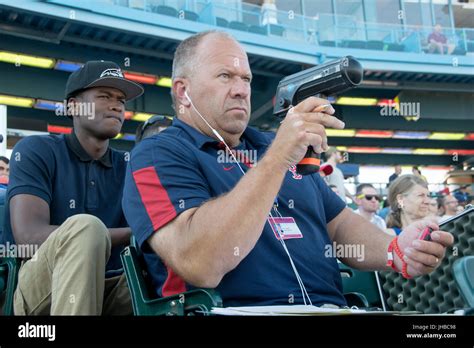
(394, 47)
(144, 302)
(375, 45)
(166, 10)
(221, 22)
(328, 43)
(459, 51)
(354, 44)
(9, 267)
(277, 30)
(238, 26)
(258, 30)
(463, 271)
(360, 287)
(191, 16)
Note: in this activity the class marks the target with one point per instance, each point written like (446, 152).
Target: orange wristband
(390, 256)
(394, 247)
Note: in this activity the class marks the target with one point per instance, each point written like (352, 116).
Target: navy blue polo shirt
(58, 170)
(178, 169)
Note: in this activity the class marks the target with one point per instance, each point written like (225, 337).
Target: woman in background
(409, 200)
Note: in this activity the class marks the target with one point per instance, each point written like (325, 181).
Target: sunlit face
(369, 205)
(415, 202)
(220, 84)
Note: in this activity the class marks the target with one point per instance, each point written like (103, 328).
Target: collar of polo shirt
(76, 147)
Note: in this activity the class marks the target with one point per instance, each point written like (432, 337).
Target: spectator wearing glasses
(409, 201)
(450, 206)
(152, 126)
(368, 202)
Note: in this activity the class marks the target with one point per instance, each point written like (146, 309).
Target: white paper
(286, 310)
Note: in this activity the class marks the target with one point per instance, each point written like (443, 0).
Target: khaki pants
(67, 274)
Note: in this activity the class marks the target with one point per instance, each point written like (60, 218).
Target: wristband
(390, 256)
(394, 247)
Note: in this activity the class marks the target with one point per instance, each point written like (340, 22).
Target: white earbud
(187, 96)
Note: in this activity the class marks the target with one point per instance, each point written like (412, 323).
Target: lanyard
(304, 292)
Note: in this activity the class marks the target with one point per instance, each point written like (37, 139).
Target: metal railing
(324, 29)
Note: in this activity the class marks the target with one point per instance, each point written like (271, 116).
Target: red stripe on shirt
(173, 284)
(154, 197)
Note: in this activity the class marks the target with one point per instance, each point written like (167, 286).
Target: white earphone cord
(304, 293)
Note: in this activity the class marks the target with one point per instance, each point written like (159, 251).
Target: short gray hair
(185, 57)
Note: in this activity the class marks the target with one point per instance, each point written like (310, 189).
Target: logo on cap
(112, 72)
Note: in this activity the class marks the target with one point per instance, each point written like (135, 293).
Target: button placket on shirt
(92, 186)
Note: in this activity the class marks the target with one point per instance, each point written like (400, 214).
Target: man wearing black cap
(64, 200)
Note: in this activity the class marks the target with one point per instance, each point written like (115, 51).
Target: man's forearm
(359, 234)
(223, 231)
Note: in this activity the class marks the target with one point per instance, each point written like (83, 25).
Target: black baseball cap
(99, 73)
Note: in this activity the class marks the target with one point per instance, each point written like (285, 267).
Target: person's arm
(202, 244)
(350, 228)
(30, 221)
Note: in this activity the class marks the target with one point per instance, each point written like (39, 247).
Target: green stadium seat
(354, 44)
(9, 267)
(238, 26)
(222, 22)
(328, 43)
(258, 30)
(145, 302)
(463, 270)
(394, 47)
(277, 30)
(375, 45)
(166, 10)
(360, 286)
(190, 15)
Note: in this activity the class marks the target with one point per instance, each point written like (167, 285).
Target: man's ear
(179, 89)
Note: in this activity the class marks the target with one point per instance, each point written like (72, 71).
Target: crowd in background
(407, 197)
